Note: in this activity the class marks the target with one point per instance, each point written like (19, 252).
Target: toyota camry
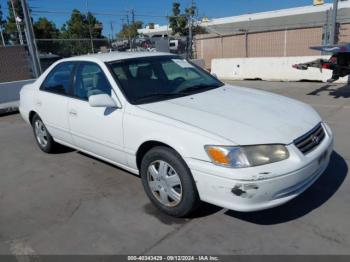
(188, 135)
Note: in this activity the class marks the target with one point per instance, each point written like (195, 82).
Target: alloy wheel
(41, 133)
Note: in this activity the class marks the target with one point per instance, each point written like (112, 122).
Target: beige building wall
(208, 49)
(289, 42)
(266, 44)
(234, 46)
(299, 41)
(344, 33)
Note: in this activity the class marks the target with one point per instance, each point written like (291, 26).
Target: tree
(2, 21)
(45, 29)
(130, 31)
(2, 24)
(94, 25)
(178, 21)
(0, 14)
(80, 26)
(11, 27)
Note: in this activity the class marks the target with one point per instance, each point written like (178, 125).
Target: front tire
(42, 135)
(168, 182)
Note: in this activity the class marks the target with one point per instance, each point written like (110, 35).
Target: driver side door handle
(73, 112)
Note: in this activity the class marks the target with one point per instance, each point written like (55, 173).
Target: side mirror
(101, 100)
(214, 75)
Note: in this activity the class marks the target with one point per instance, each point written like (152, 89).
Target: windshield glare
(150, 79)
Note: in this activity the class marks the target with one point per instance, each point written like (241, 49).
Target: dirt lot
(70, 203)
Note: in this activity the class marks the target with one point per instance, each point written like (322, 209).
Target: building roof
(158, 30)
(278, 13)
(299, 17)
(306, 16)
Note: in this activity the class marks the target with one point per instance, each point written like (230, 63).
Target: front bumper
(258, 188)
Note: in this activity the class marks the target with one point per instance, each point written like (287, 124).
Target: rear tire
(42, 135)
(168, 182)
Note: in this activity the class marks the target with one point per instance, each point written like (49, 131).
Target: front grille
(310, 140)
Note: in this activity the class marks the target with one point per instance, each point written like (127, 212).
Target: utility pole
(326, 30)
(190, 37)
(112, 30)
(245, 31)
(190, 28)
(127, 17)
(90, 29)
(122, 26)
(132, 24)
(33, 50)
(2, 35)
(132, 16)
(18, 26)
(129, 34)
(334, 22)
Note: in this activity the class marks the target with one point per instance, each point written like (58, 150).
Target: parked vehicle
(339, 62)
(178, 46)
(188, 135)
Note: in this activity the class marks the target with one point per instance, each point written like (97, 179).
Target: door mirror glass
(101, 100)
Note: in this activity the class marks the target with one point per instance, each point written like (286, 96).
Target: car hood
(242, 115)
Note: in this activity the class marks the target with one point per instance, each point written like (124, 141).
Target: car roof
(114, 56)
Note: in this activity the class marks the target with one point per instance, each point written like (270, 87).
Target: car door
(51, 101)
(97, 130)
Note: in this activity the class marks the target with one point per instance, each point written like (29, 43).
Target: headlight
(246, 156)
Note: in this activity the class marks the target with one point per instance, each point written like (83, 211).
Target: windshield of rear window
(157, 78)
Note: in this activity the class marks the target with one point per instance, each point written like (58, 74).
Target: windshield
(157, 78)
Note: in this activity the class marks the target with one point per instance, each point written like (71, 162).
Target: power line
(70, 39)
(133, 14)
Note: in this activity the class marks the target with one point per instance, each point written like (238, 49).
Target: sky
(114, 11)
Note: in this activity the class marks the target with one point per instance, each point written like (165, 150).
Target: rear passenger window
(58, 80)
(90, 80)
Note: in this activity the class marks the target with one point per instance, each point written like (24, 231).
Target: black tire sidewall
(190, 199)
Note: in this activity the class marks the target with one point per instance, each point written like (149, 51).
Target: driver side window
(90, 80)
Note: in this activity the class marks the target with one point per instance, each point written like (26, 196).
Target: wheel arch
(146, 146)
(32, 113)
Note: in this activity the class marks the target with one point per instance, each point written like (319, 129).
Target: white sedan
(188, 135)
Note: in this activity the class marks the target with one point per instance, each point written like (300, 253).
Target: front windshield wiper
(184, 92)
(159, 95)
(199, 87)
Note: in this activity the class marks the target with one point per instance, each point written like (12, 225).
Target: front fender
(187, 141)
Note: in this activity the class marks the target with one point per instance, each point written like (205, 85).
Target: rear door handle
(38, 103)
(72, 112)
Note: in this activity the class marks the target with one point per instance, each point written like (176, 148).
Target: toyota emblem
(315, 139)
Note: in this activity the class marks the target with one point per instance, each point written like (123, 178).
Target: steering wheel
(177, 82)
